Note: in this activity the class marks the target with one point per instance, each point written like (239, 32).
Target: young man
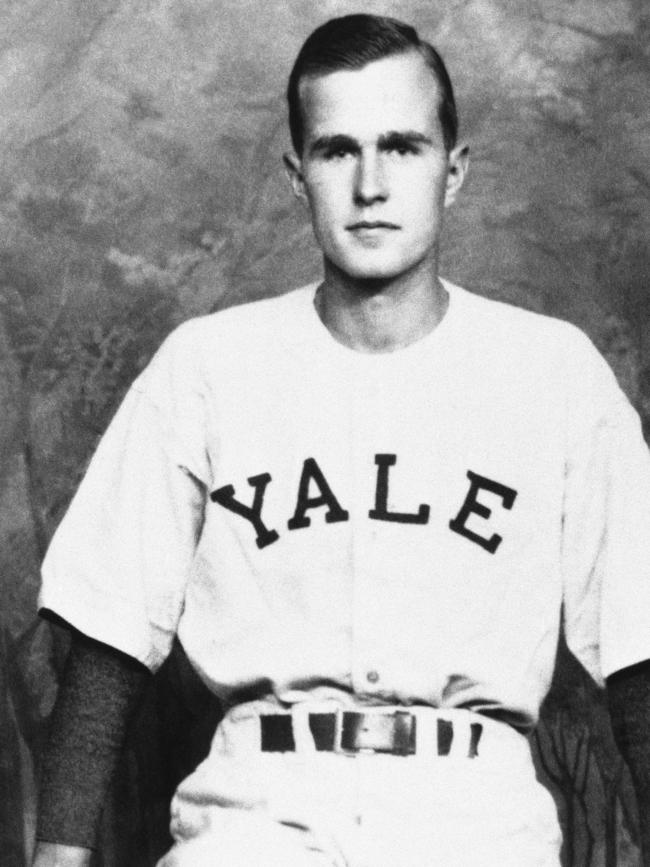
(361, 507)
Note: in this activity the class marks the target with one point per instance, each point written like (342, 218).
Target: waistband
(408, 732)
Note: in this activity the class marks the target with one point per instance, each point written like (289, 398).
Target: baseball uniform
(324, 528)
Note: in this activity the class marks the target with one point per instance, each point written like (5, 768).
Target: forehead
(393, 93)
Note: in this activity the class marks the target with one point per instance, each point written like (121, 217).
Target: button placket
(361, 416)
(367, 420)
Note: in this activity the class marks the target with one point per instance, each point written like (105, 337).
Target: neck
(381, 315)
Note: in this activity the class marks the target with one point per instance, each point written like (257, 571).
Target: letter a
(335, 513)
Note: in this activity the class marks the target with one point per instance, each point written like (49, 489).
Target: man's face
(374, 168)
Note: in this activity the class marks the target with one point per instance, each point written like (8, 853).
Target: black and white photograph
(325, 411)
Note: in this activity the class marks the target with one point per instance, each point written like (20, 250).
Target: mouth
(370, 225)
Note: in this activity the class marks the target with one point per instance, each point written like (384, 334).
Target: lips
(371, 224)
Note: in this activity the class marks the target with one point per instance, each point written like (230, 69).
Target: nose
(370, 179)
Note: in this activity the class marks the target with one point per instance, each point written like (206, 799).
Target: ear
(456, 171)
(293, 169)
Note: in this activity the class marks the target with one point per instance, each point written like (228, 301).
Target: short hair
(350, 43)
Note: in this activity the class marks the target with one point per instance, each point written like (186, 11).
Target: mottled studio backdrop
(141, 184)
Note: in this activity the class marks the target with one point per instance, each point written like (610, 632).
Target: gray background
(141, 184)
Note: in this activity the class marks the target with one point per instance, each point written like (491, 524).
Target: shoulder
(524, 335)
(538, 351)
(251, 318)
(496, 319)
(238, 334)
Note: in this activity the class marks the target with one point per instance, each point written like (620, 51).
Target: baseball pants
(462, 793)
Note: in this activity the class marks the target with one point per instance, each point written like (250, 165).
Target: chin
(372, 271)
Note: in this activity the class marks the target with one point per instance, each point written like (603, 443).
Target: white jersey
(402, 525)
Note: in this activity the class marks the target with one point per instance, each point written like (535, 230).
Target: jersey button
(372, 676)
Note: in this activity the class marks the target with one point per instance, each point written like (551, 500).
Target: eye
(339, 153)
(401, 149)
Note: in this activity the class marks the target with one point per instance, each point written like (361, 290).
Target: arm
(98, 696)
(628, 693)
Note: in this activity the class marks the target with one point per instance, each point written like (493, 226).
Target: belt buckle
(402, 738)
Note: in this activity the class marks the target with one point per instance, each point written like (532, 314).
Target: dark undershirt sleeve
(98, 695)
(628, 693)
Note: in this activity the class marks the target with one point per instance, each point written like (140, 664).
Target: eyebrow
(326, 143)
(389, 139)
(408, 137)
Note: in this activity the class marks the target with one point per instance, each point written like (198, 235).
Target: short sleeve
(606, 526)
(119, 561)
